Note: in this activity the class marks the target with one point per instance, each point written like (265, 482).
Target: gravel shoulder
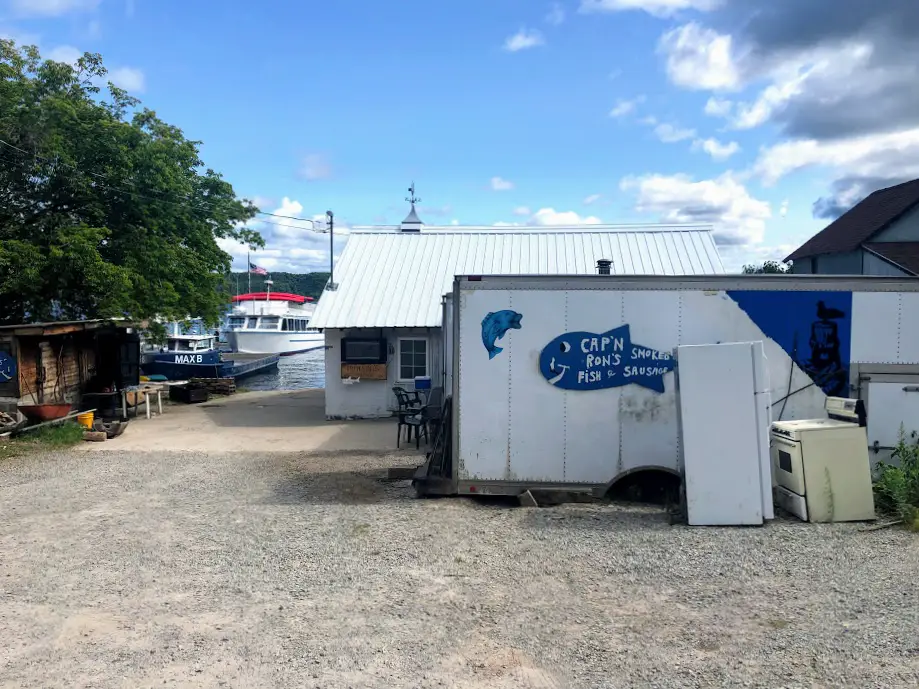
(123, 569)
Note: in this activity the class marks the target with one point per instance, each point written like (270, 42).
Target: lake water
(296, 372)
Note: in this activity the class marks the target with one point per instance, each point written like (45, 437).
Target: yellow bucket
(86, 420)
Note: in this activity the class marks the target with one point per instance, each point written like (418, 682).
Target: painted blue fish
(7, 366)
(494, 325)
(596, 361)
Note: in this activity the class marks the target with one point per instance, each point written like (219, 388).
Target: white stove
(821, 466)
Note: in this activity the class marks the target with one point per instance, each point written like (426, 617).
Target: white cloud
(550, 216)
(700, 58)
(523, 40)
(556, 14)
(52, 8)
(658, 8)
(315, 167)
(291, 245)
(671, 134)
(454, 222)
(593, 198)
(66, 54)
(718, 107)
(499, 184)
(737, 217)
(128, 78)
(873, 155)
(522, 210)
(716, 149)
(783, 211)
(625, 107)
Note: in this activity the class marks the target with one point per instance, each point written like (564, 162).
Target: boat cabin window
(270, 322)
(252, 323)
(237, 321)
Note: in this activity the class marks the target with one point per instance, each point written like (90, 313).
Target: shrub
(896, 490)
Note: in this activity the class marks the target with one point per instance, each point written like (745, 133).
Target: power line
(108, 185)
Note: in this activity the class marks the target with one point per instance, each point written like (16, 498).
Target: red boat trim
(274, 296)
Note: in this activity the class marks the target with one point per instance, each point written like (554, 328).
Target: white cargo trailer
(567, 382)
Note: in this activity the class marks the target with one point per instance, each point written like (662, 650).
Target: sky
(765, 118)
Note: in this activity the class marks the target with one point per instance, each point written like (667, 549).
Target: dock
(249, 364)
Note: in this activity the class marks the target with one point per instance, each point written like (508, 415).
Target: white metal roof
(392, 279)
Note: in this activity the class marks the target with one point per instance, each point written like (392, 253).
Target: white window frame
(427, 357)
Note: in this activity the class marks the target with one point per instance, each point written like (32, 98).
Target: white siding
(370, 399)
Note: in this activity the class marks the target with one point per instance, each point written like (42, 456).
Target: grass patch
(896, 491)
(46, 438)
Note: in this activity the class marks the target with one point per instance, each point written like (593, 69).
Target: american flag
(255, 269)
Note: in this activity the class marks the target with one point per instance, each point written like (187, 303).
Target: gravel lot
(126, 569)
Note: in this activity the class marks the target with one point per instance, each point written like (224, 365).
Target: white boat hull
(273, 341)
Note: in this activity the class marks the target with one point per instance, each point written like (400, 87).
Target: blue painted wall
(814, 329)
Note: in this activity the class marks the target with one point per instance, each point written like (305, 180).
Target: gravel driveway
(277, 570)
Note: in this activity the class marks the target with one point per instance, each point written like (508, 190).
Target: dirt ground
(133, 564)
(253, 421)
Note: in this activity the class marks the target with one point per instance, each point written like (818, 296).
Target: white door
(719, 434)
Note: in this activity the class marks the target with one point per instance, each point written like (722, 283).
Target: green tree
(105, 210)
(768, 267)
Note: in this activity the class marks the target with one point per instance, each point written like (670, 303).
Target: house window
(413, 358)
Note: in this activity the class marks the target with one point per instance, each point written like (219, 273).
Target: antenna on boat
(268, 283)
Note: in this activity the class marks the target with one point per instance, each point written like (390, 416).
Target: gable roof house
(386, 306)
(878, 236)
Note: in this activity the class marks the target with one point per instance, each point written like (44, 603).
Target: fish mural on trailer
(597, 361)
(814, 328)
(495, 325)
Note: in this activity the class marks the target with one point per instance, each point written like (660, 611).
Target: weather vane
(412, 199)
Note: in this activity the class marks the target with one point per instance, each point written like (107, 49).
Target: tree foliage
(768, 267)
(105, 210)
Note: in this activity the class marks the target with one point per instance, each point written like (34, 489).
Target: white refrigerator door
(763, 400)
(719, 435)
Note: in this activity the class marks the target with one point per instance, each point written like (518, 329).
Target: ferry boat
(191, 352)
(272, 323)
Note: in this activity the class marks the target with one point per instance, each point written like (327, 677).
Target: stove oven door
(788, 464)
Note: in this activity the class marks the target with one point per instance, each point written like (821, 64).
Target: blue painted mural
(814, 329)
(596, 361)
(7, 367)
(494, 325)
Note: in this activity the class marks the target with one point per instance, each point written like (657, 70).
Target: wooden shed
(45, 363)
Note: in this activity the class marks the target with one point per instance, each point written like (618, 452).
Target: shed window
(363, 351)
(413, 358)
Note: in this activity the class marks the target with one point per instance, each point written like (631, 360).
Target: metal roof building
(388, 277)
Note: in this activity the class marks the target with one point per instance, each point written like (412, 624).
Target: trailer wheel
(650, 485)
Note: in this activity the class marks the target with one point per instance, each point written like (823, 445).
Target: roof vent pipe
(603, 266)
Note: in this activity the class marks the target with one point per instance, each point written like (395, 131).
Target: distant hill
(307, 284)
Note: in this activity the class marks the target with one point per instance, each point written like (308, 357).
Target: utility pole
(331, 216)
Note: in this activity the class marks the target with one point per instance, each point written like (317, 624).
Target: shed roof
(861, 222)
(61, 327)
(391, 279)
